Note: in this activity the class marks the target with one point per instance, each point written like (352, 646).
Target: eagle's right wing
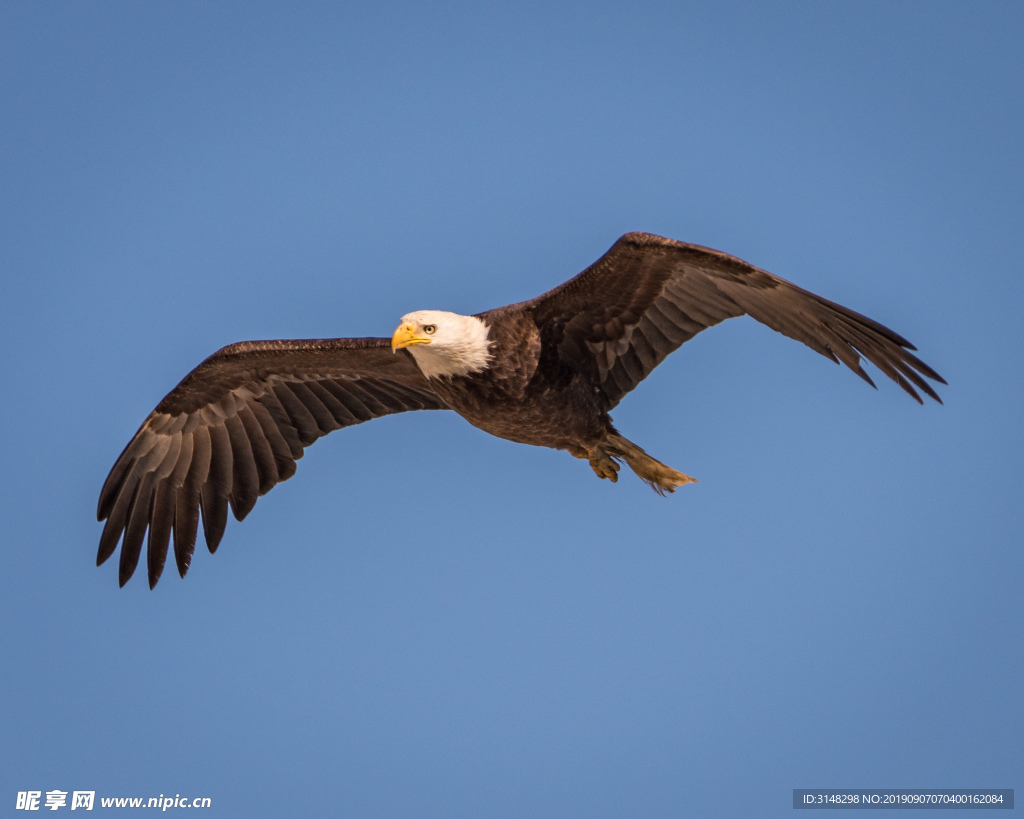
(619, 318)
(233, 429)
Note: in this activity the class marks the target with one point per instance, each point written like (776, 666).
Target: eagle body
(545, 372)
(515, 399)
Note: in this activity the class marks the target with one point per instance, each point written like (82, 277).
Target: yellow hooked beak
(405, 336)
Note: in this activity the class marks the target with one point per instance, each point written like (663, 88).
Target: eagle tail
(660, 477)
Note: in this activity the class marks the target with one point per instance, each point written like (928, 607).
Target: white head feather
(458, 346)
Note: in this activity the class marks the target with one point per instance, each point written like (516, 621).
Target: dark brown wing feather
(619, 318)
(233, 429)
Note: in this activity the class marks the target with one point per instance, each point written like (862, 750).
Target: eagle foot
(604, 466)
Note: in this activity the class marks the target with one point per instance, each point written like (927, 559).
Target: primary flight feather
(544, 372)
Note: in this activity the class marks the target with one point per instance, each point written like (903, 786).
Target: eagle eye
(429, 329)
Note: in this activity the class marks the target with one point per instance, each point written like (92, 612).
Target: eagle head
(444, 344)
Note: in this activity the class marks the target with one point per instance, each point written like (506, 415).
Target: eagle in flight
(544, 372)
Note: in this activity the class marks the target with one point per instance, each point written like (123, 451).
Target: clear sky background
(428, 621)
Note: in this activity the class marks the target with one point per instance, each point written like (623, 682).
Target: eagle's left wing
(233, 429)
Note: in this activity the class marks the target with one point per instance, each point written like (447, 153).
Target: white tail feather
(660, 477)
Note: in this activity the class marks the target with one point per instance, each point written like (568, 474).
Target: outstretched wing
(619, 318)
(233, 429)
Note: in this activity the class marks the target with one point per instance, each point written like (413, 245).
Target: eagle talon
(605, 467)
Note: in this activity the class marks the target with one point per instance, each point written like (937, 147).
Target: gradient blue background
(427, 621)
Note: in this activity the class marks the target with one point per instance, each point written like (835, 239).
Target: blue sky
(836, 604)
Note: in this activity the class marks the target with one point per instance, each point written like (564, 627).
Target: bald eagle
(544, 372)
